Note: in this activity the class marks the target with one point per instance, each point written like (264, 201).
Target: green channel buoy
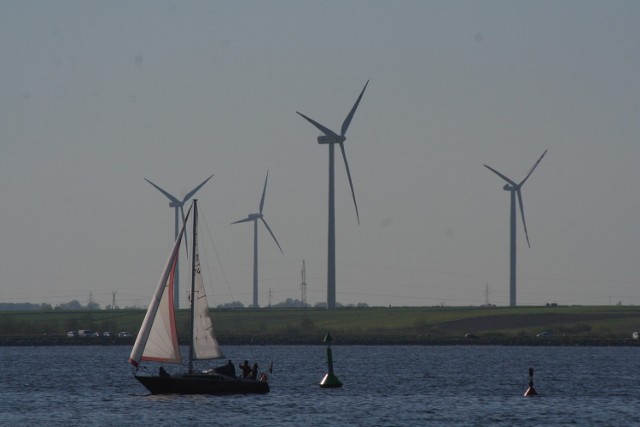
(330, 380)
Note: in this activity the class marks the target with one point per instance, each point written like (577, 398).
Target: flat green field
(360, 325)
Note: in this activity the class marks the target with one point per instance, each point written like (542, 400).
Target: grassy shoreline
(567, 325)
(35, 341)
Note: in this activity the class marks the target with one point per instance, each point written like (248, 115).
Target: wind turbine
(331, 138)
(255, 217)
(515, 190)
(179, 211)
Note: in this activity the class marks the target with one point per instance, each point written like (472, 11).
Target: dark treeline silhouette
(26, 306)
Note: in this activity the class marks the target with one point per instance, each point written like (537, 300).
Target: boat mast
(193, 280)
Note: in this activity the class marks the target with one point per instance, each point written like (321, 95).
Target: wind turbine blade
(347, 121)
(264, 191)
(272, 235)
(186, 245)
(192, 192)
(247, 219)
(344, 156)
(501, 176)
(524, 223)
(531, 170)
(169, 196)
(326, 131)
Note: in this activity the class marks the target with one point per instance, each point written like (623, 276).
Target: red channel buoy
(531, 391)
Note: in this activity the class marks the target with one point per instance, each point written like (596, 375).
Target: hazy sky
(95, 96)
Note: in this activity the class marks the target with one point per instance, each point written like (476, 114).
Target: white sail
(157, 339)
(205, 345)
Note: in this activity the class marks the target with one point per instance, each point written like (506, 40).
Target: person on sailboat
(254, 371)
(246, 370)
(227, 369)
(231, 369)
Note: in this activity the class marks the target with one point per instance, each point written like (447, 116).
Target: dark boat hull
(202, 384)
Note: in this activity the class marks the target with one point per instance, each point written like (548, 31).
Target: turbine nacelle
(331, 139)
(508, 187)
(254, 216)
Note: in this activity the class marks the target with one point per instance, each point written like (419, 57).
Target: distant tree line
(75, 305)
(288, 303)
(26, 306)
(291, 303)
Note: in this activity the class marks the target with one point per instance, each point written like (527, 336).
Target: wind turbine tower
(515, 191)
(255, 217)
(303, 286)
(331, 138)
(486, 295)
(178, 205)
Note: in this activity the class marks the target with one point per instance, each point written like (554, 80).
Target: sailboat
(157, 340)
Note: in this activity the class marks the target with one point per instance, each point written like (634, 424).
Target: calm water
(383, 386)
